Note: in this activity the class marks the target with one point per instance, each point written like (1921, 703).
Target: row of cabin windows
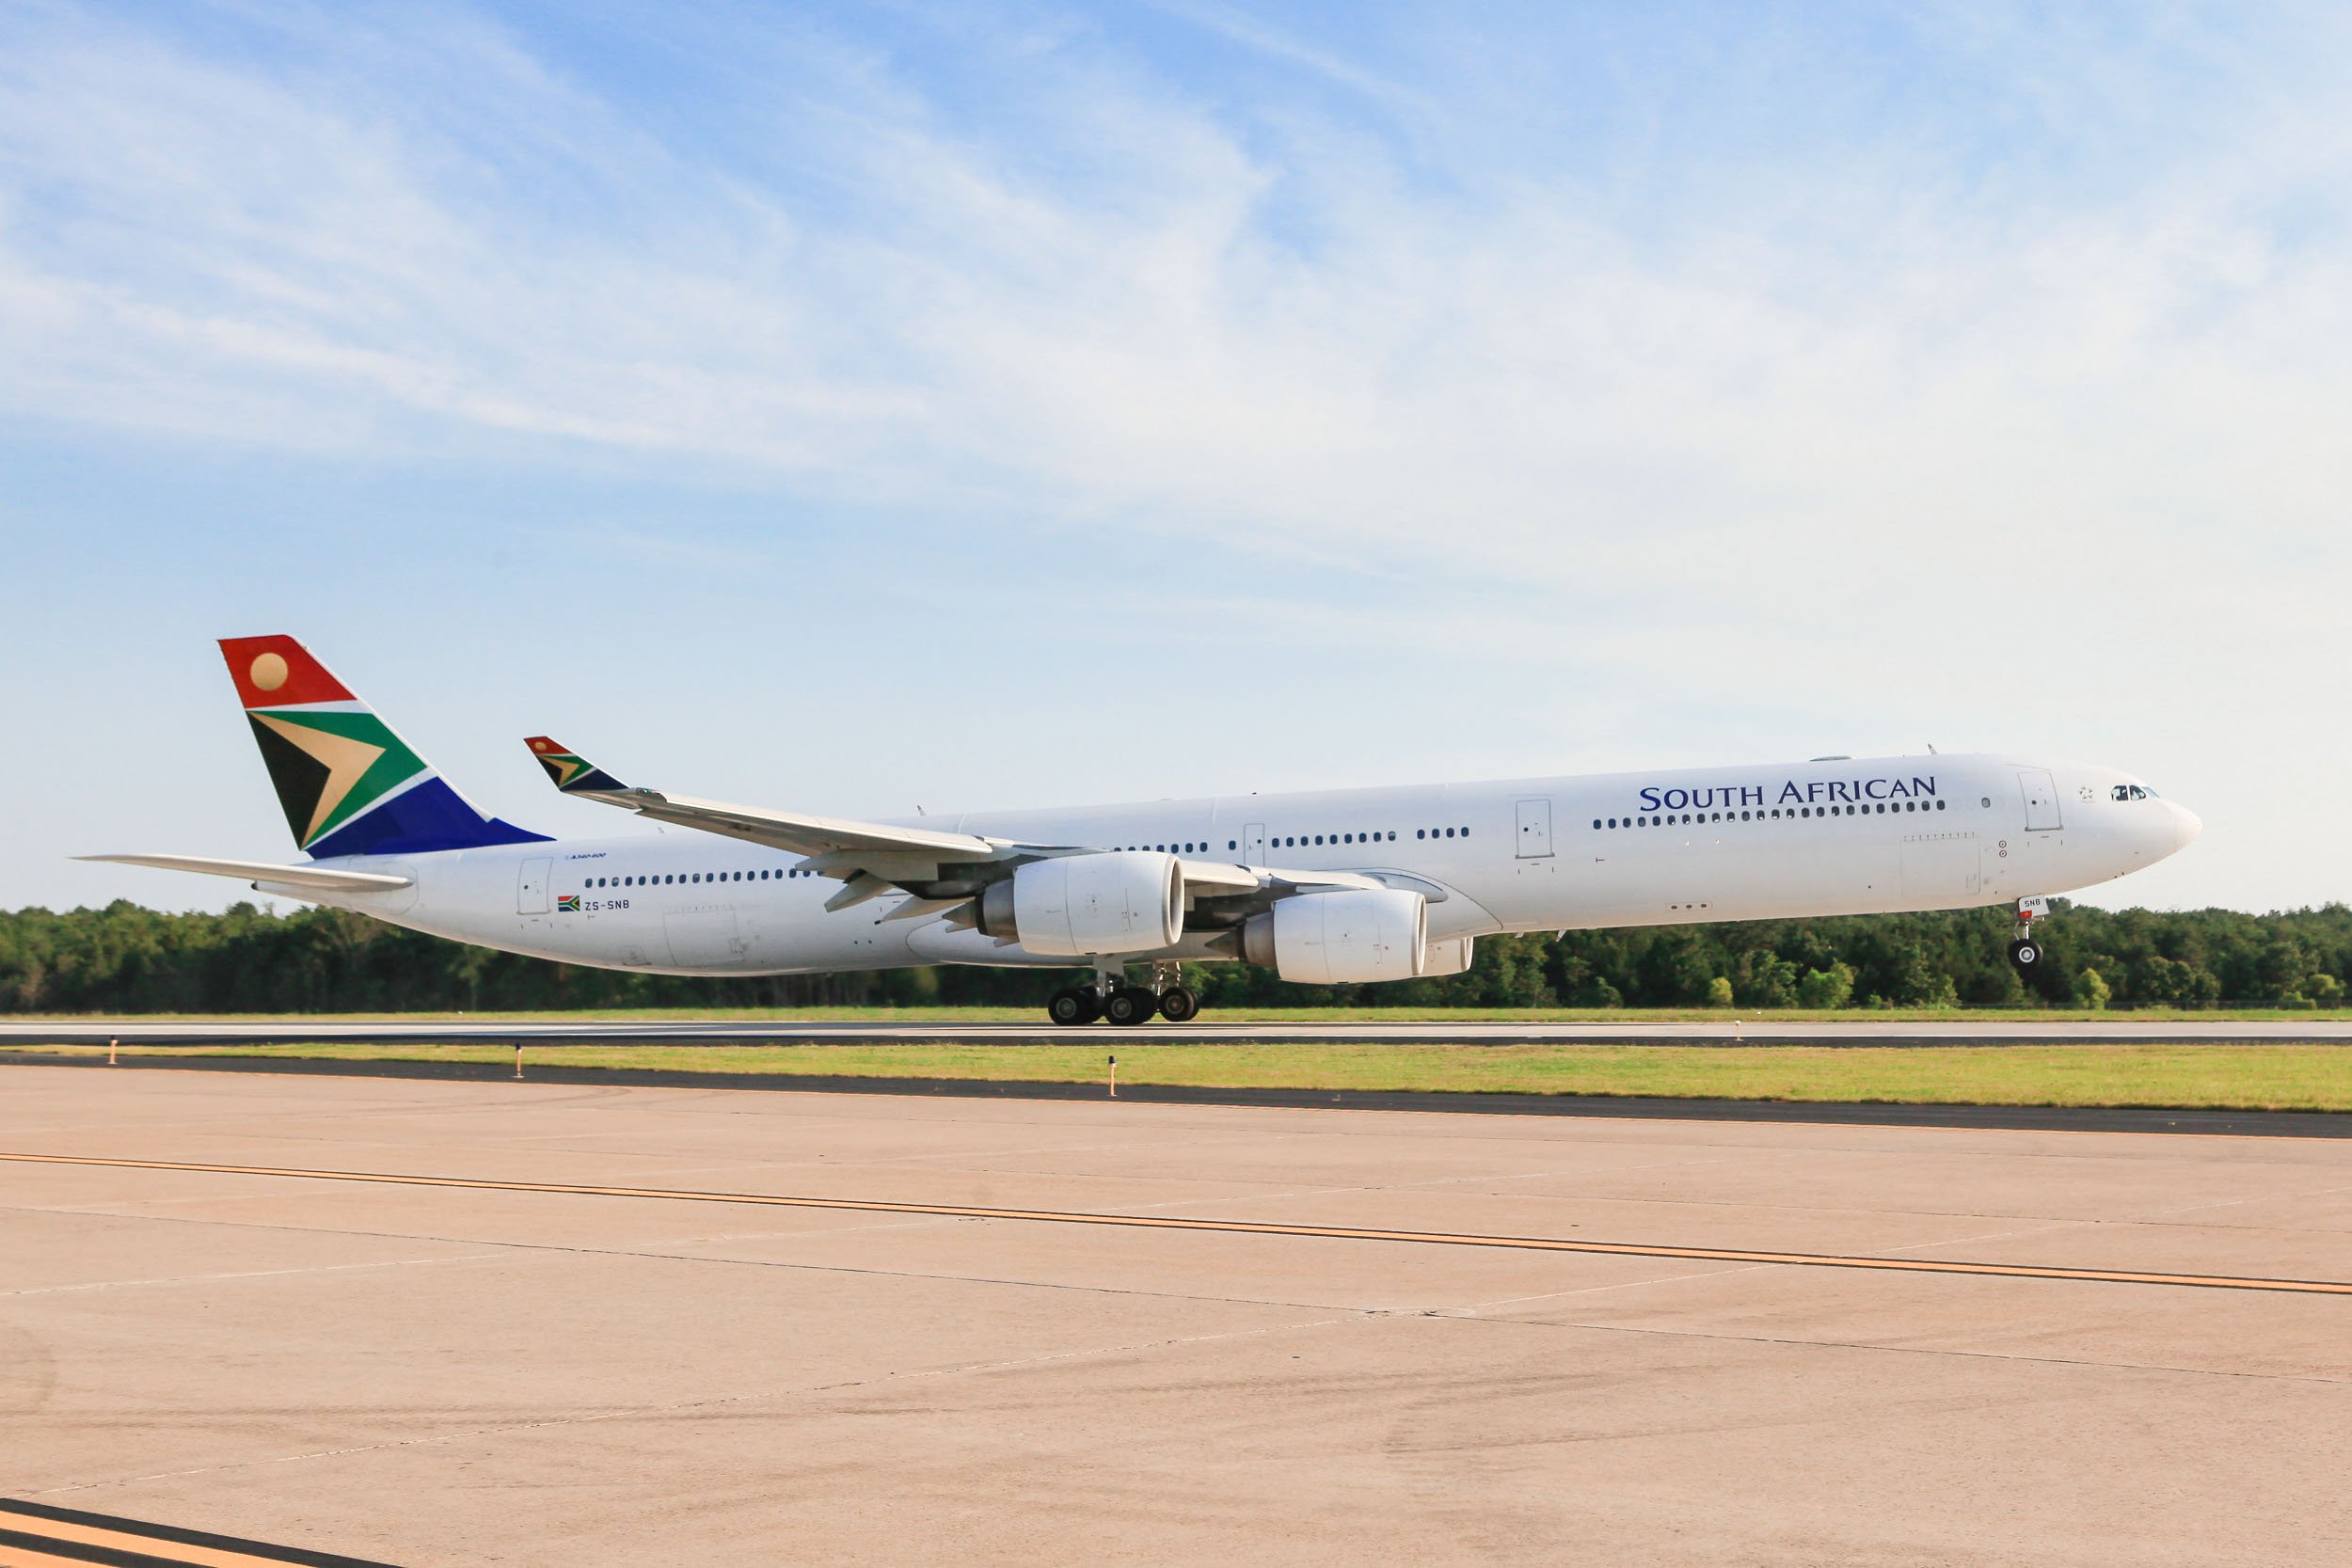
(1775, 814)
(1299, 841)
(694, 876)
(1291, 842)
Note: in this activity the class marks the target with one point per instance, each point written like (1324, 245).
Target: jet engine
(1113, 901)
(1343, 936)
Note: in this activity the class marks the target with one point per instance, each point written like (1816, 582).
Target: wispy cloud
(1909, 371)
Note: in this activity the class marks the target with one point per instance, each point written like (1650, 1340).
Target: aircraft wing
(943, 870)
(791, 831)
(324, 878)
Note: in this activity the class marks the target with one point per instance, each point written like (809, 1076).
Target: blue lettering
(1875, 790)
(1751, 795)
(1649, 800)
(1789, 791)
(1837, 790)
(1923, 787)
(1677, 799)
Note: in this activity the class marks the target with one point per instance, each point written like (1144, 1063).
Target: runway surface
(437, 1323)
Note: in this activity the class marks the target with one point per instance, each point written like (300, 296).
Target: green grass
(2237, 1077)
(1273, 1014)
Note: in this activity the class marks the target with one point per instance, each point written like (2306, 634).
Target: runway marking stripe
(1243, 1228)
(37, 1534)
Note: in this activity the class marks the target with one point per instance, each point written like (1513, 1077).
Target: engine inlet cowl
(1346, 937)
(1074, 906)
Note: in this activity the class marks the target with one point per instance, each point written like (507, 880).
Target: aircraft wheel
(1180, 1004)
(1072, 1005)
(2025, 953)
(1129, 1006)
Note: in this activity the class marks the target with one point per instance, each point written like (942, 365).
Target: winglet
(568, 771)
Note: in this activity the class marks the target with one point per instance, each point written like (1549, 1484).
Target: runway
(427, 1323)
(1729, 1031)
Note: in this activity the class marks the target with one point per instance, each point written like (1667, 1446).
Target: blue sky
(854, 408)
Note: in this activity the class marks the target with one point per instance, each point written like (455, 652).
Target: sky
(866, 408)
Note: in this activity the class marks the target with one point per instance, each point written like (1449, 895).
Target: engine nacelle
(1071, 906)
(1449, 957)
(1346, 937)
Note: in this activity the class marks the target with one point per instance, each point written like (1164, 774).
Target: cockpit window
(2134, 792)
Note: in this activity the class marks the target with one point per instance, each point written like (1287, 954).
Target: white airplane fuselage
(1834, 836)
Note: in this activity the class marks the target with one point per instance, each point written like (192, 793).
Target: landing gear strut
(2025, 952)
(1111, 999)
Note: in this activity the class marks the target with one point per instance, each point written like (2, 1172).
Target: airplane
(1336, 887)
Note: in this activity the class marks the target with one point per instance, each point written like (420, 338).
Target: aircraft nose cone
(2186, 825)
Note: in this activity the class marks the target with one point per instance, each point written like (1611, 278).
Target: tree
(128, 959)
(1826, 988)
(2090, 991)
(1719, 992)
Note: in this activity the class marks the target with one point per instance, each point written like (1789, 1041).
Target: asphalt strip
(2032, 1118)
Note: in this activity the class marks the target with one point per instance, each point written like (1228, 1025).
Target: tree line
(127, 959)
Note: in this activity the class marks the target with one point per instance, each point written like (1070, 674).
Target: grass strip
(2284, 1077)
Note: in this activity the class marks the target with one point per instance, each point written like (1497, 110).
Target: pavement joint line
(795, 1265)
(1881, 1348)
(1247, 1227)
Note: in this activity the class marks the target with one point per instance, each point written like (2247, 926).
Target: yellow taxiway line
(35, 1536)
(1238, 1227)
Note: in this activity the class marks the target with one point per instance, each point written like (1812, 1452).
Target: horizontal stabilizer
(321, 878)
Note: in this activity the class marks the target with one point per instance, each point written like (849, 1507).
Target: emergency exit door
(1534, 828)
(1254, 845)
(2041, 801)
(531, 887)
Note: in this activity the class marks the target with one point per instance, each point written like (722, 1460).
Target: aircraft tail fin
(347, 783)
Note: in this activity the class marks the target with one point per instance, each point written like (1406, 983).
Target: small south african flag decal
(567, 903)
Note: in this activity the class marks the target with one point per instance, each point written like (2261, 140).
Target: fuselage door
(1254, 845)
(2041, 801)
(531, 887)
(1534, 828)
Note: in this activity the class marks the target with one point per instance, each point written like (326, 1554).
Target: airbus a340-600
(1338, 887)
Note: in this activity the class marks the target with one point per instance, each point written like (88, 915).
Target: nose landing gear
(2027, 951)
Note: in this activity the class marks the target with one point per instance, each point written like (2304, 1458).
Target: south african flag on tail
(347, 783)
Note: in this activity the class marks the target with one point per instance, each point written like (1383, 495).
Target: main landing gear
(2027, 951)
(1114, 1001)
